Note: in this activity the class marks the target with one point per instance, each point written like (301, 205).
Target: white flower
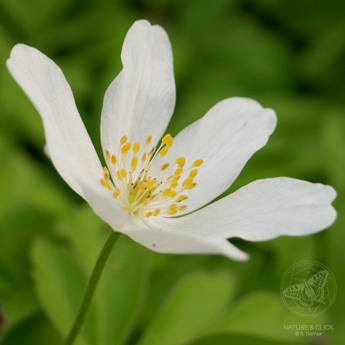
(153, 192)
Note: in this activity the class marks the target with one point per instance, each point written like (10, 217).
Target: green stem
(91, 287)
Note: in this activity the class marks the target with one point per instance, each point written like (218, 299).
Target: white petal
(105, 206)
(45, 85)
(225, 138)
(178, 242)
(262, 210)
(140, 101)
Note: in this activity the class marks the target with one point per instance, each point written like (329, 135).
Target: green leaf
(34, 330)
(191, 309)
(59, 284)
(238, 339)
(121, 291)
(119, 294)
(263, 314)
(86, 233)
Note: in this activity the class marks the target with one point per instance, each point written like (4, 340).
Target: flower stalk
(91, 287)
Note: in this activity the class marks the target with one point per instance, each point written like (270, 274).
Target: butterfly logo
(309, 291)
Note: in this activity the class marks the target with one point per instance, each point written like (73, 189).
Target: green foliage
(286, 54)
(190, 309)
(61, 269)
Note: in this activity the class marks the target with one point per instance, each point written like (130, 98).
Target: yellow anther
(178, 171)
(172, 209)
(165, 166)
(182, 198)
(198, 162)
(188, 183)
(148, 140)
(167, 192)
(181, 161)
(164, 151)
(138, 193)
(149, 183)
(174, 184)
(123, 139)
(142, 188)
(136, 147)
(152, 151)
(193, 173)
(134, 163)
(172, 194)
(148, 214)
(167, 140)
(113, 159)
(106, 174)
(125, 148)
(116, 193)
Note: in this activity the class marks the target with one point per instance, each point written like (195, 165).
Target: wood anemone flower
(154, 187)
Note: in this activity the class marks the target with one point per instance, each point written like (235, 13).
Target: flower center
(144, 183)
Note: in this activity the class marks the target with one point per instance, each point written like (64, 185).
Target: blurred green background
(289, 55)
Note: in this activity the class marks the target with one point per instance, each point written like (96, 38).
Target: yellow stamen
(172, 209)
(150, 183)
(178, 171)
(193, 173)
(134, 163)
(167, 140)
(164, 151)
(113, 159)
(136, 147)
(198, 162)
(150, 192)
(172, 194)
(148, 140)
(152, 151)
(188, 183)
(182, 198)
(174, 184)
(166, 192)
(116, 193)
(123, 173)
(123, 139)
(125, 148)
(165, 166)
(181, 161)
